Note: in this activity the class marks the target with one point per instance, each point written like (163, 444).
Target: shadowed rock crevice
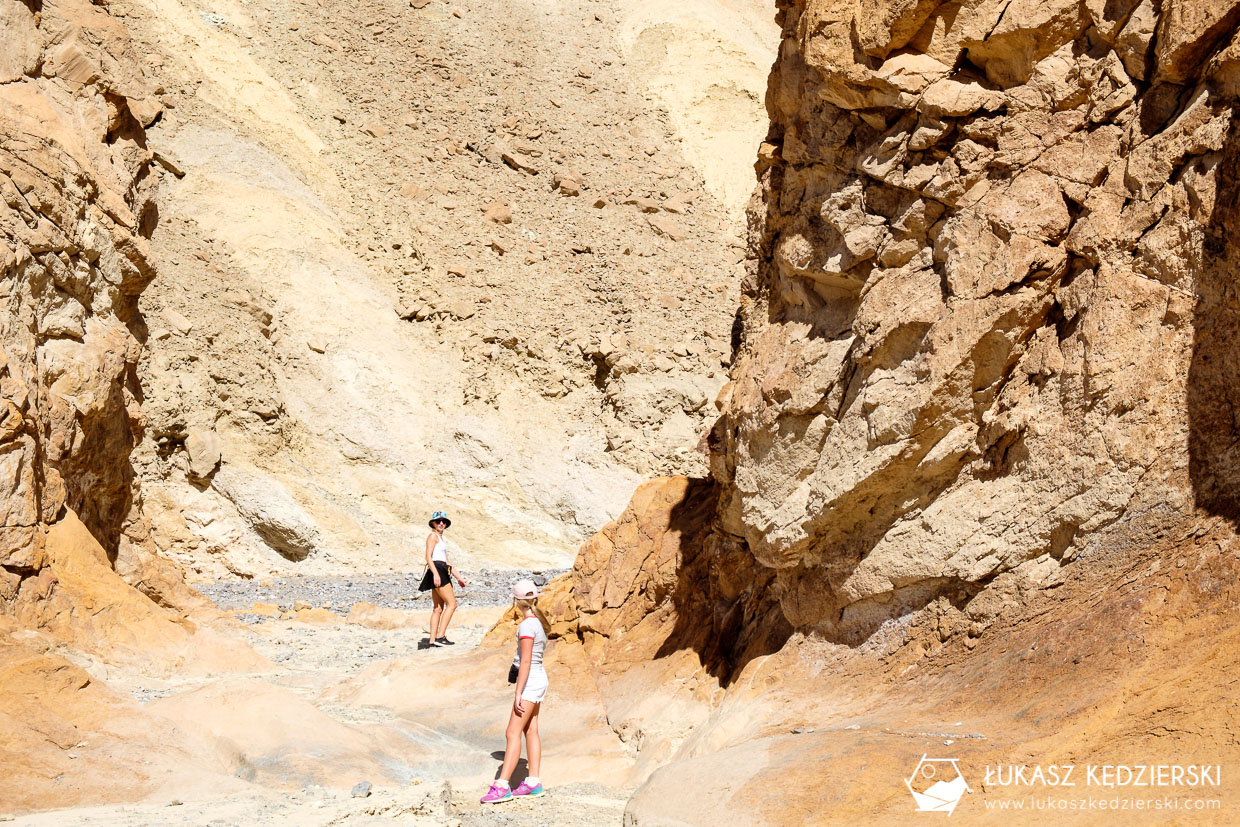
(1214, 374)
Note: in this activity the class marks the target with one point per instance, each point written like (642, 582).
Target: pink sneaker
(526, 789)
(496, 794)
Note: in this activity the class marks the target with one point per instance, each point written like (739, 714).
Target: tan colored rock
(498, 212)
(318, 616)
(519, 162)
(648, 205)
(204, 449)
(567, 185)
(179, 323)
(20, 41)
(987, 303)
(669, 227)
(376, 617)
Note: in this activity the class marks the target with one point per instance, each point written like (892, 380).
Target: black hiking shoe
(443, 641)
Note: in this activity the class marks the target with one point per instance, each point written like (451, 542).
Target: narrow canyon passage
(454, 255)
(477, 255)
(854, 379)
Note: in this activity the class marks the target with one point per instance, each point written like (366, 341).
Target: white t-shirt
(531, 627)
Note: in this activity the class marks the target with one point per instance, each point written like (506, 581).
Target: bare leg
(512, 746)
(533, 743)
(436, 612)
(448, 597)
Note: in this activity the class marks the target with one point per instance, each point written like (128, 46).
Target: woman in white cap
(531, 686)
(438, 579)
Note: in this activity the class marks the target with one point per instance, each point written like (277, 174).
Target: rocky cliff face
(412, 259)
(990, 302)
(984, 390)
(991, 293)
(76, 177)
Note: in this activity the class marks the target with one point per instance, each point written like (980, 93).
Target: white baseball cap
(524, 590)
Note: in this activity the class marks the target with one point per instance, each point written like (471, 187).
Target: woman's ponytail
(532, 604)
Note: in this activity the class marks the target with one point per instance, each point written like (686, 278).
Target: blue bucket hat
(439, 515)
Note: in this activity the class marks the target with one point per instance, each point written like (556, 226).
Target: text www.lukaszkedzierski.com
(1099, 804)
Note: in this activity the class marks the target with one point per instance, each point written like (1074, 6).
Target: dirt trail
(343, 704)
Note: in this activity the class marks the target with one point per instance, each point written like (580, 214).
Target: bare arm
(452, 570)
(523, 672)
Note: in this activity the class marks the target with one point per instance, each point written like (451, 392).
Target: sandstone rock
(412, 191)
(648, 205)
(169, 163)
(376, 617)
(204, 448)
(20, 41)
(678, 204)
(518, 162)
(301, 605)
(669, 227)
(179, 323)
(566, 185)
(498, 212)
(964, 347)
(461, 309)
(874, 395)
(270, 511)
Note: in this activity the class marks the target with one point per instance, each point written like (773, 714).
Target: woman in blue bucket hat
(438, 579)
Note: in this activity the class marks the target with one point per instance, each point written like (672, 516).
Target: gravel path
(487, 587)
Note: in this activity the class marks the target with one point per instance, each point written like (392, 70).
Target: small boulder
(204, 449)
(567, 185)
(498, 212)
(179, 323)
(648, 205)
(666, 226)
(361, 790)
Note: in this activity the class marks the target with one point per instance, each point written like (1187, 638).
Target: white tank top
(440, 551)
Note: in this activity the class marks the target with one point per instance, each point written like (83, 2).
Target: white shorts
(535, 686)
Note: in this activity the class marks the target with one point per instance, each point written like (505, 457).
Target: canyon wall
(80, 585)
(415, 259)
(983, 395)
(77, 178)
(991, 294)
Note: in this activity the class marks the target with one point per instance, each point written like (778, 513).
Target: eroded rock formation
(984, 391)
(76, 177)
(991, 290)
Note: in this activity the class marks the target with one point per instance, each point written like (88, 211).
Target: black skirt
(445, 577)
